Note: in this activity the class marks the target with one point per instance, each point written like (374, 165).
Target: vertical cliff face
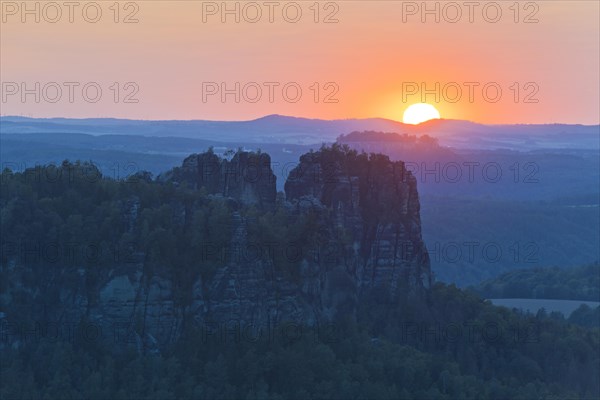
(375, 201)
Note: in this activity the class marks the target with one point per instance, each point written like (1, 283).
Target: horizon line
(293, 117)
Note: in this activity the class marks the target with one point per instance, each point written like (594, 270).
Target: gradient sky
(370, 54)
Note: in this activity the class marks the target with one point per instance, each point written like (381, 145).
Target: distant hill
(292, 130)
(387, 137)
(565, 307)
(576, 283)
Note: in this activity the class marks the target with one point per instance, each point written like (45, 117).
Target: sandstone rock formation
(375, 200)
(367, 239)
(247, 177)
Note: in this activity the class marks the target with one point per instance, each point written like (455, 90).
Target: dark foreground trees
(446, 344)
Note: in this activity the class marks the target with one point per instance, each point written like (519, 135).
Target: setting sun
(420, 112)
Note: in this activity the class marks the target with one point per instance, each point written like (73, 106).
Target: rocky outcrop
(247, 177)
(365, 238)
(375, 201)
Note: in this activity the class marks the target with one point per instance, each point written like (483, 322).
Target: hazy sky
(374, 61)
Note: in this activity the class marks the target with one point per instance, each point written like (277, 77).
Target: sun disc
(420, 112)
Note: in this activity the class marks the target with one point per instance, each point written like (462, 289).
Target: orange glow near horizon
(374, 61)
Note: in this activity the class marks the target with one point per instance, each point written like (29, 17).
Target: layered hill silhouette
(293, 130)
